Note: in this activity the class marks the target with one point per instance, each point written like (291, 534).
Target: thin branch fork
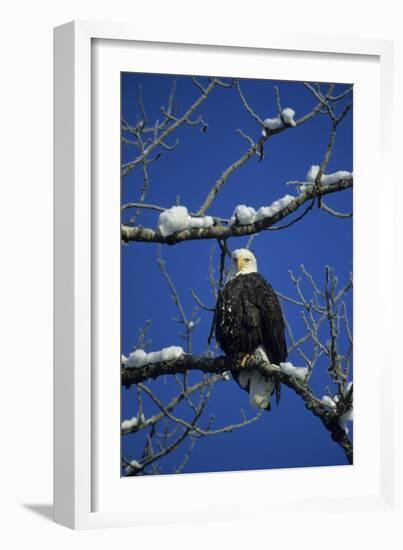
(142, 234)
(224, 176)
(126, 168)
(253, 149)
(194, 427)
(154, 457)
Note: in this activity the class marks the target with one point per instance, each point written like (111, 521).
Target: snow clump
(139, 358)
(177, 218)
(286, 117)
(246, 215)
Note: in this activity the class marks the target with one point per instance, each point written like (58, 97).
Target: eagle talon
(246, 359)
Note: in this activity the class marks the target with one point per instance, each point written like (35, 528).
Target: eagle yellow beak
(240, 263)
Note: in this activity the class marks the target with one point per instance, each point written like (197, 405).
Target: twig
(192, 426)
(199, 302)
(247, 106)
(335, 212)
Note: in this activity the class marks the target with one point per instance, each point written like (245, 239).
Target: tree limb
(143, 234)
(221, 364)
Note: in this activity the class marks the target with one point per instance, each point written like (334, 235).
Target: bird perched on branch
(249, 326)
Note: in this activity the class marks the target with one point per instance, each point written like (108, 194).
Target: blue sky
(288, 436)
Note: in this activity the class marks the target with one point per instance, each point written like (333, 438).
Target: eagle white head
(243, 262)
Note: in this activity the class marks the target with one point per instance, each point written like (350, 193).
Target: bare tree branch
(221, 364)
(247, 106)
(194, 428)
(160, 140)
(256, 148)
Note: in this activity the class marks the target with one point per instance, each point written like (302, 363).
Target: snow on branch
(139, 358)
(329, 402)
(218, 231)
(133, 466)
(132, 423)
(344, 418)
(285, 118)
(327, 179)
(245, 215)
(333, 404)
(342, 405)
(178, 218)
(300, 373)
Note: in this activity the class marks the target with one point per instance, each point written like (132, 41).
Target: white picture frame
(370, 485)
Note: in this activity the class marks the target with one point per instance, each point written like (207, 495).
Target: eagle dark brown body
(248, 315)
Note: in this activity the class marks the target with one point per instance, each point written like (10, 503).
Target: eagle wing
(262, 312)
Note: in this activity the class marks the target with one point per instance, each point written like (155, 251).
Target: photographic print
(236, 274)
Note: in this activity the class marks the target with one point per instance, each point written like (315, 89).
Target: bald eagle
(249, 324)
